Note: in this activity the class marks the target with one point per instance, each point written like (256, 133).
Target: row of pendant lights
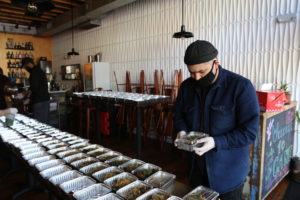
(182, 34)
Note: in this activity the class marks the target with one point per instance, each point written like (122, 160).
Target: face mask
(206, 80)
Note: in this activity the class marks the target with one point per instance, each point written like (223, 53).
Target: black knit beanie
(199, 51)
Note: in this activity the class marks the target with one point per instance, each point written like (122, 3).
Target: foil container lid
(145, 171)
(77, 184)
(53, 171)
(67, 153)
(75, 157)
(131, 165)
(48, 164)
(117, 160)
(133, 190)
(202, 192)
(83, 162)
(66, 176)
(35, 161)
(151, 194)
(107, 173)
(36, 154)
(161, 179)
(120, 180)
(93, 168)
(92, 192)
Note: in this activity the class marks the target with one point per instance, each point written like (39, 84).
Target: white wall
(250, 41)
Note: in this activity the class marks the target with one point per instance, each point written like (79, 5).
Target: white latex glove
(12, 111)
(208, 144)
(180, 134)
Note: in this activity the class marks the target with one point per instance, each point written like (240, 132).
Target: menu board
(278, 148)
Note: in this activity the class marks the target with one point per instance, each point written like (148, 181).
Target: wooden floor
(169, 158)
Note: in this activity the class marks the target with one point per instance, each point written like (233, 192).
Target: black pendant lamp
(182, 34)
(72, 52)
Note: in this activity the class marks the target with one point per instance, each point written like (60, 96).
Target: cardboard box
(270, 101)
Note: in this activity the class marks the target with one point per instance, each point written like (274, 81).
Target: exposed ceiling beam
(92, 9)
(20, 20)
(20, 13)
(14, 16)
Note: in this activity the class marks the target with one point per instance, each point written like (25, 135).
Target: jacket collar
(222, 80)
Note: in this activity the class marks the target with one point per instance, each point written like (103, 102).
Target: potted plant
(283, 88)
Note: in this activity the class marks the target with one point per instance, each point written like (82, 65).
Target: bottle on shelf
(8, 64)
(12, 55)
(8, 54)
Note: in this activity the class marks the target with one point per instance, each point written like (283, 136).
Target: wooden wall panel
(42, 47)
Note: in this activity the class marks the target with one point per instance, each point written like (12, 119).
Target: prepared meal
(83, 162)
(67, 153)
(145, 171)
(77, 141)
(107, 156)
(201, 193)
(161, 180)
(118, 160)
(77, 184)
(75, 157)
(92, 192)
(66, 176)
(98, 152)
(93, 168)
(133, 190)
(54, 146)
(189, 141)
(131, 165)
(120, 180)
(154, 194)
(79, 145)
(107, 173)
(90, 148)
(58, 150)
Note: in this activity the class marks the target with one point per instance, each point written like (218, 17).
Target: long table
(177, 188)
(139, 101)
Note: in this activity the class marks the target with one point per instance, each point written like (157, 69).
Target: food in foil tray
(108, 157)
(161, 179)
(121, 182)
(83, 164)
(189, 141)
(158, 196)
(95, 169)
(201, 193)
(110, 174)
(145, 173)
(136, 191)
(96, 153)
(131, 165)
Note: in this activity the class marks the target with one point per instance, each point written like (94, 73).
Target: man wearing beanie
(223, 105)
(39, 98)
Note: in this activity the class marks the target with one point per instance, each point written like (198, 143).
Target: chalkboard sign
(278, 148)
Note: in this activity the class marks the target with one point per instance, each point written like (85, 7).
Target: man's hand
(208, 144)
(180, 134)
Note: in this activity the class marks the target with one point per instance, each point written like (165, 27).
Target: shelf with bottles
(10, 44)
(15, 64)
(18, 55)
(16, 73)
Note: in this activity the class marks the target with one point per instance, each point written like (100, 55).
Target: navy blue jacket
(231, 117)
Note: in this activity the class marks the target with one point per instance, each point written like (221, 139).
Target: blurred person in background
(38, 91)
